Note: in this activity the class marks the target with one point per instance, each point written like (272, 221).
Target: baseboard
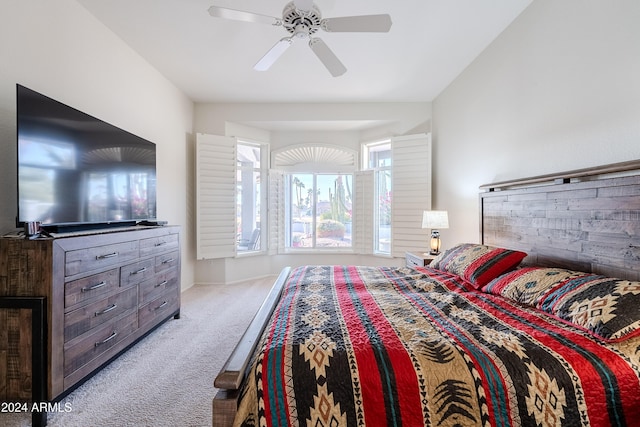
(251, 279)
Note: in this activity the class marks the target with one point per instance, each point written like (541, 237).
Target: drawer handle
(106, 310)
(142, 270)
(167, 261)
(164, 282)
(161, 305)
(109, 338)
(105, 256)
(161, 243)
(94, 287)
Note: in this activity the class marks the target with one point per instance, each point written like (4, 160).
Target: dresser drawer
(98, 257)
(152, 288)
(81, 290)
(83, 319)
(135, 273)
(159, 308)
(157, 245)
(83, 350)
(166, 261)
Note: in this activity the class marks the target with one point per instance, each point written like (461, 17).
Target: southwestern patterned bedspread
(383, 346)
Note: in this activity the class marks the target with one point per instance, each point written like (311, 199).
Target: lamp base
(434, 244)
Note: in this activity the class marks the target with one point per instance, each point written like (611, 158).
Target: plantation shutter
(276, 211)
(215, 196)
(363, 212)
(411, 192)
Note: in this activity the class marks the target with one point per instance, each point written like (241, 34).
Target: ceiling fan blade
(303, 4)
(328, 58)
(364, 23)
(240, 15)
(274, 53)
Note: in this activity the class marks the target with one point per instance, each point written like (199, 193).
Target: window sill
(318, 251)
(245, 254)
(382, 255)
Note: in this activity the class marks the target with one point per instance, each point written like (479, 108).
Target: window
(315, 192)
(377, 157)
(250, 196)
(319, 210)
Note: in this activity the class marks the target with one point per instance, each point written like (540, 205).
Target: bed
(538, 324)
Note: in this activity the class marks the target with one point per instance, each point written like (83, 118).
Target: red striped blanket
(380, 346)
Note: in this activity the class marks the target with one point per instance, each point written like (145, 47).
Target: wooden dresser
(103, 291)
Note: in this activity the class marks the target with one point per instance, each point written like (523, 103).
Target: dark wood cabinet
(104, 291)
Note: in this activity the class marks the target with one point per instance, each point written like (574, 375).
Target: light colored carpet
(167, 378)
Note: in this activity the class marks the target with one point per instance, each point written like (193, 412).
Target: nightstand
(418, 259)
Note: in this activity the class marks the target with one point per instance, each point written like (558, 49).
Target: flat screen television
(78, 172)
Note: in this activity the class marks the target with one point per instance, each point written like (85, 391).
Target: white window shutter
(215, 196)
(276, 212)
(411, 194)
(363, 212)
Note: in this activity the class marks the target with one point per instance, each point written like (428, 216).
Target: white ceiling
(211, 59)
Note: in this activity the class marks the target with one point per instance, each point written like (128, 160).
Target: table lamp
(435, 220)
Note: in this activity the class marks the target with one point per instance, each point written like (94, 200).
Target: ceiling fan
(302, 19)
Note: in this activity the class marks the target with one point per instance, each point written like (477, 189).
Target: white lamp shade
(435, 219)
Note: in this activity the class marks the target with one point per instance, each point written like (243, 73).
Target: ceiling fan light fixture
(293, 17)
(302, 19)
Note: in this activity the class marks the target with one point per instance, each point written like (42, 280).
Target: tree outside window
(320, 211)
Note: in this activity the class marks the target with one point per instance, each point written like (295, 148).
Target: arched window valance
(315, 157)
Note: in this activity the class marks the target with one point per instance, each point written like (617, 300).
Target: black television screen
(76, 169)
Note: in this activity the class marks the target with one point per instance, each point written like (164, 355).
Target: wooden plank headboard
(587, 219)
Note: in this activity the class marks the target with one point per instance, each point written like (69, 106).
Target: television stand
(103, 292)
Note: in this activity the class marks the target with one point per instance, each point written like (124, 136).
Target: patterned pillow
(478, 264)
(603, 306)
(526, 285)
(608, 308)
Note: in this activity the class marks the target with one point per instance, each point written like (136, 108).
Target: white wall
(59, 49)
(558, 90)
(376, 120)
(380, 120)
